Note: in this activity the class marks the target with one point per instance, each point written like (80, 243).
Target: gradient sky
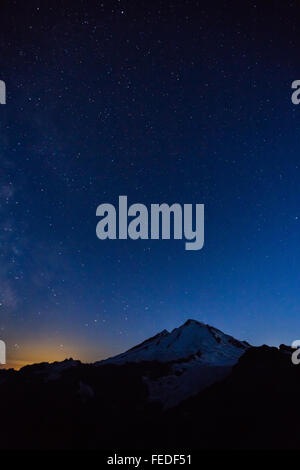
(162, 101)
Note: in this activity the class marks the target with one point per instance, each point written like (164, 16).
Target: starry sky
(164, 101)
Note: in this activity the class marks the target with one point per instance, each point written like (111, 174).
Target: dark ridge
(236, 343)
(162, 333)
(190, 321)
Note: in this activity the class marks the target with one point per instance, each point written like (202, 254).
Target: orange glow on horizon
(20, 356)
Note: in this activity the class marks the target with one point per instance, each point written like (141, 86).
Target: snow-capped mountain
(193, 341)
(174, 365)
(198, 355)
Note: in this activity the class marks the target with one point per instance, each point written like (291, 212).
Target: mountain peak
(190, 321)
(192, 341)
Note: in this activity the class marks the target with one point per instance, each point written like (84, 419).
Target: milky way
(162, 101)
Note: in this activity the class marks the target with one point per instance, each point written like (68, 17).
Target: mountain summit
(193, 341)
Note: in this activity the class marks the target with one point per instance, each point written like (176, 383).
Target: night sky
(162, 101)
